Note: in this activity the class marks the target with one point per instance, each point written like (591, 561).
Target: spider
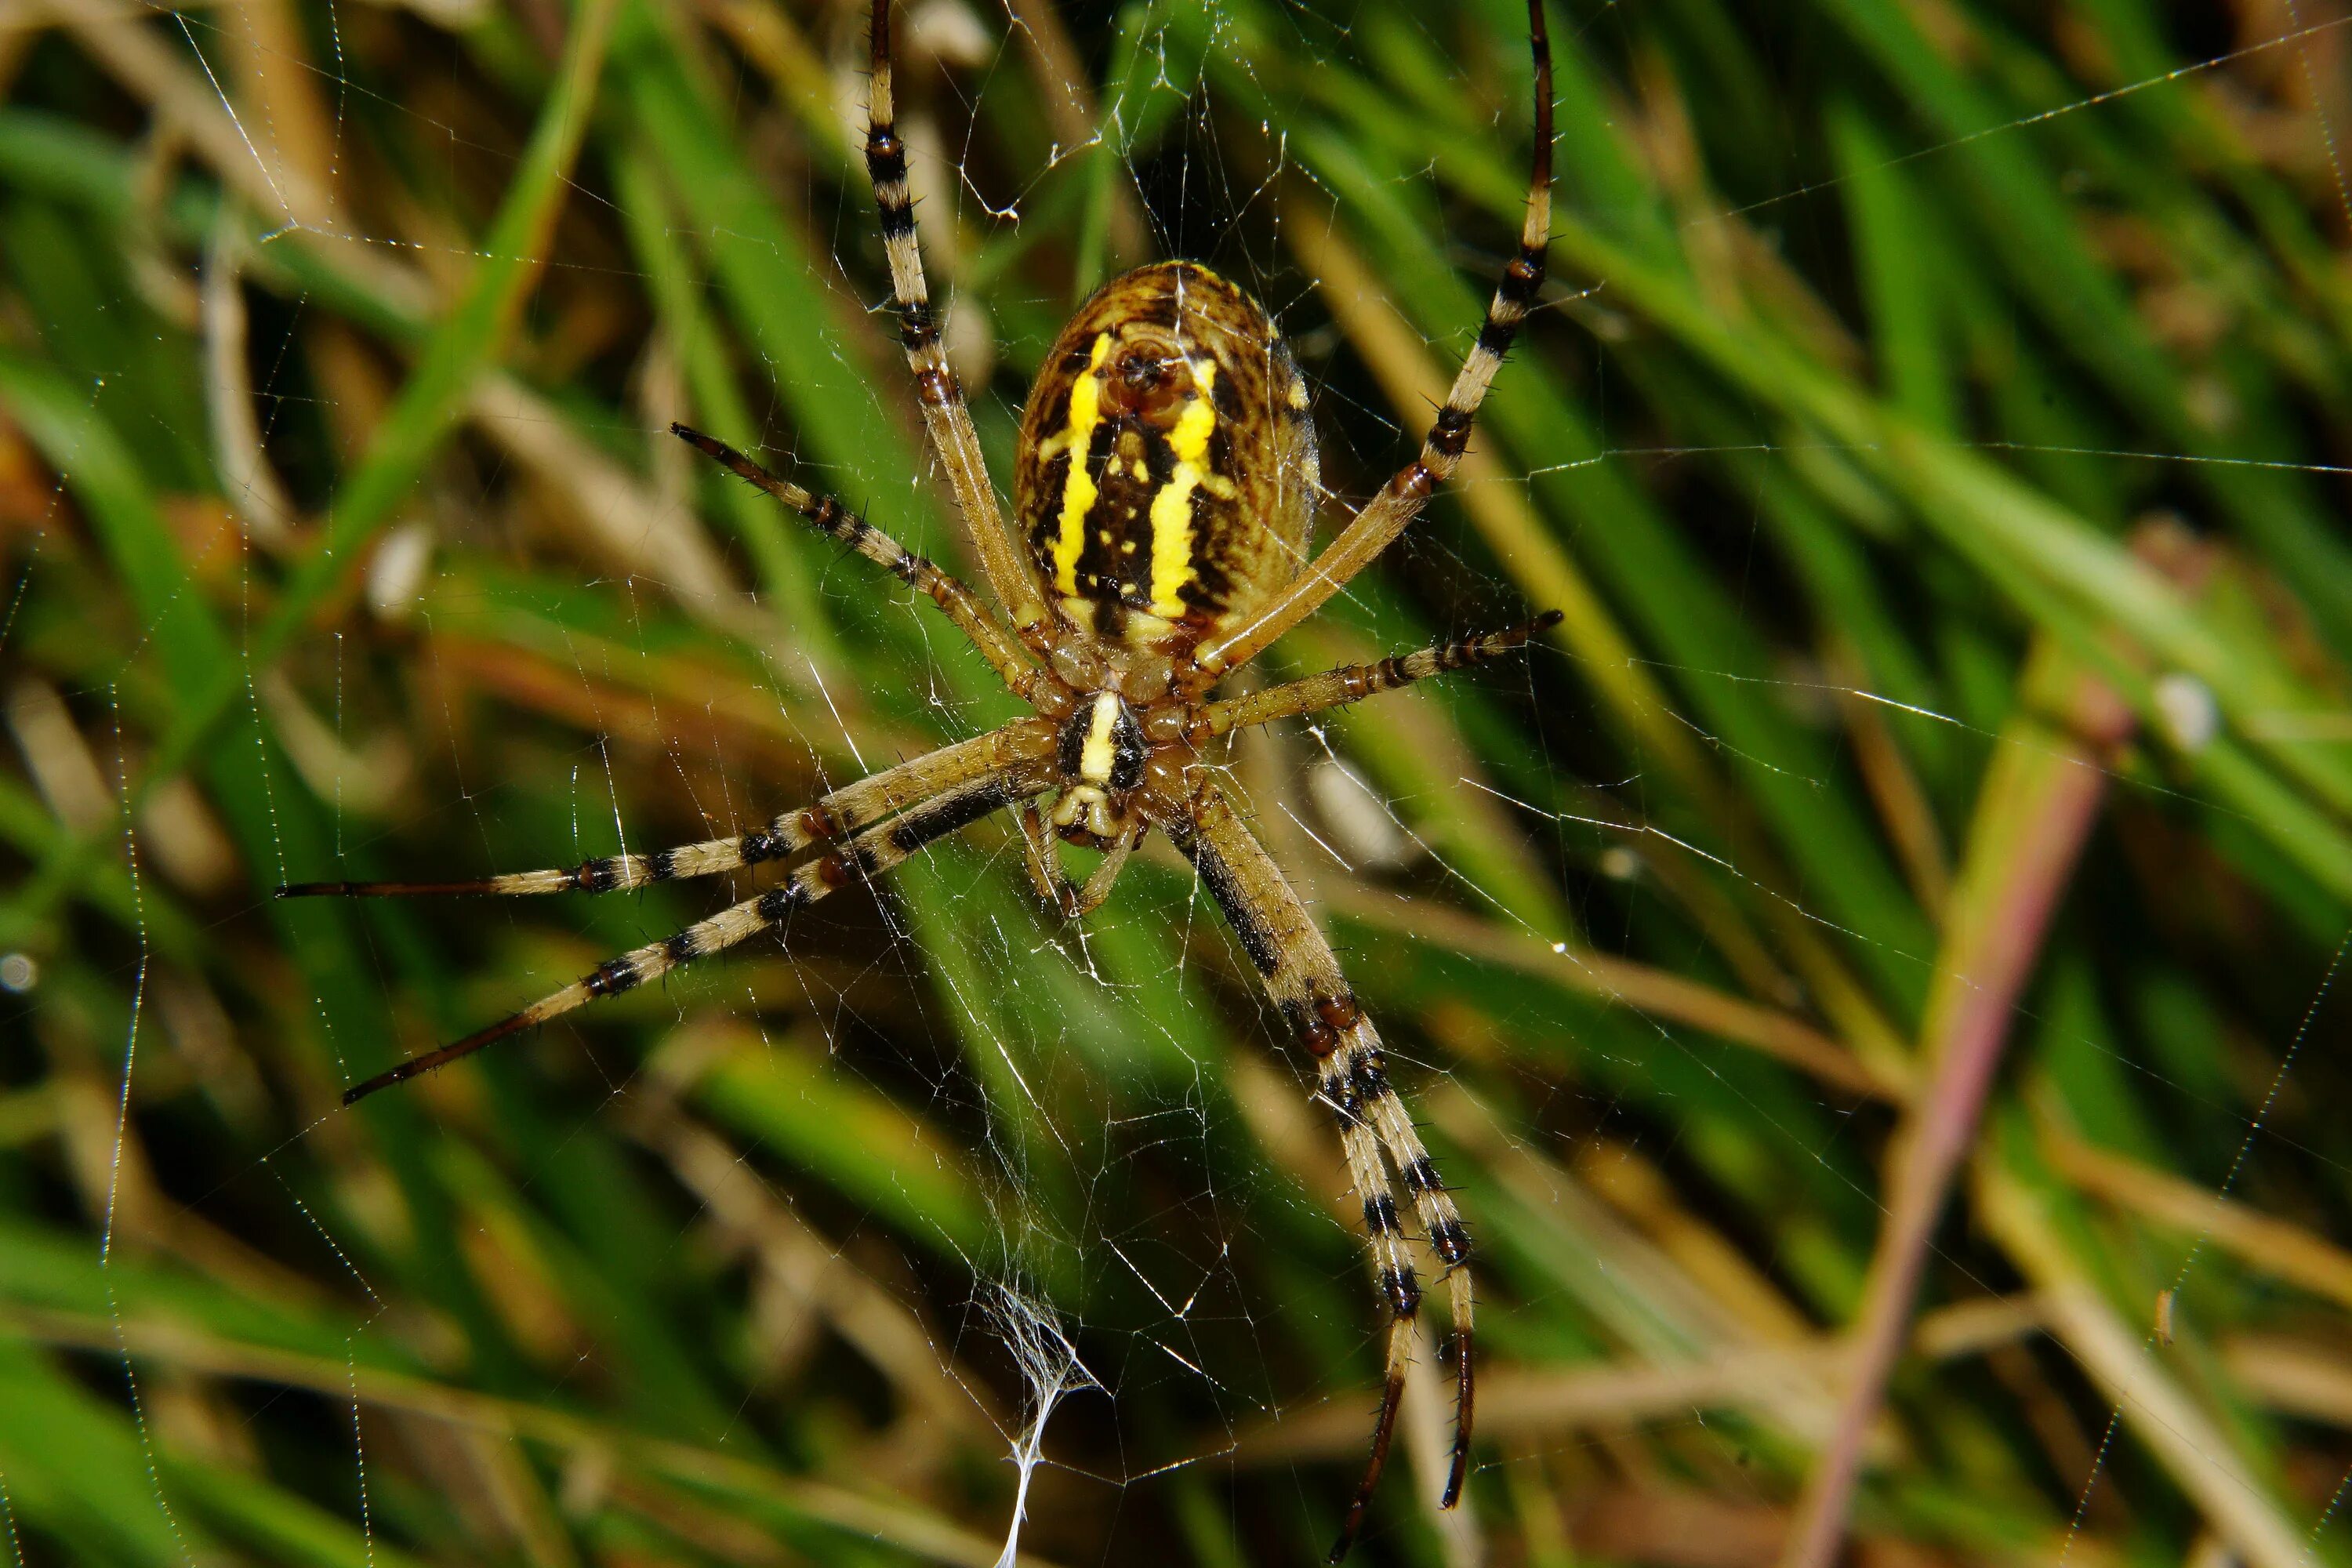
(1166, 478)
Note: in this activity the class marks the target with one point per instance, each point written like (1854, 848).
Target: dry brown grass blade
(1669, 1526)
(1653, 992)
(2292, 1376)
(1515, 1402)
(1645, 1194)
(1904, 806)
(1063, 87)
(278, 90)
(891, 1522)
(2190, 1445)
(624, 524)
(1529, 1402)
(2275, 1247)
(772, 40)
(117, 1179)
(867, 1317)
(122, 40)
(1633, 1286)
(248, 479)
(493, 1488)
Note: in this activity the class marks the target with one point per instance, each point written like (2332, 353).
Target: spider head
(1148, 383)
(1101, 759)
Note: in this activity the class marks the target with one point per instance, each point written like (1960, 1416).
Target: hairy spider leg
(1055, 889)
(1331, 688)
(946, 419)
(972, 616)
(1303, 977)
(1354, 682)
(835, 817)
(1400, 500)
(865, 855)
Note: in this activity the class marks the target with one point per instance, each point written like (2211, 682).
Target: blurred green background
(1931, 434)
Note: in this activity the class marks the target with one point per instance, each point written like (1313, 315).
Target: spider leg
(837, 815)
(1303, 977)
(865, 855)
(945, 417)
(1354, 682)
(1098, 883)
(1399, 501)
(1055, 889)
(972, 616)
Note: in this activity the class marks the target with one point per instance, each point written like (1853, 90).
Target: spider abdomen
(1167, 468)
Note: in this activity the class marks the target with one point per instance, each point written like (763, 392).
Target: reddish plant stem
(2040, 799)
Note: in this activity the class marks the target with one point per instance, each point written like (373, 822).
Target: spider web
(937, 1231)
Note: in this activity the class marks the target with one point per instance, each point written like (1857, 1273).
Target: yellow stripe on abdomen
(1171, 506)
(1079, 490)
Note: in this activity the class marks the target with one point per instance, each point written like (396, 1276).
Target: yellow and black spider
(1165, 490)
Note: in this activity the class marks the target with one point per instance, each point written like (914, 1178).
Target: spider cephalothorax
(1102, 754)
(1164, 497)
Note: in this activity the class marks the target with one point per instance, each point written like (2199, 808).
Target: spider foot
(1458, 1346)
(1383, 1431)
